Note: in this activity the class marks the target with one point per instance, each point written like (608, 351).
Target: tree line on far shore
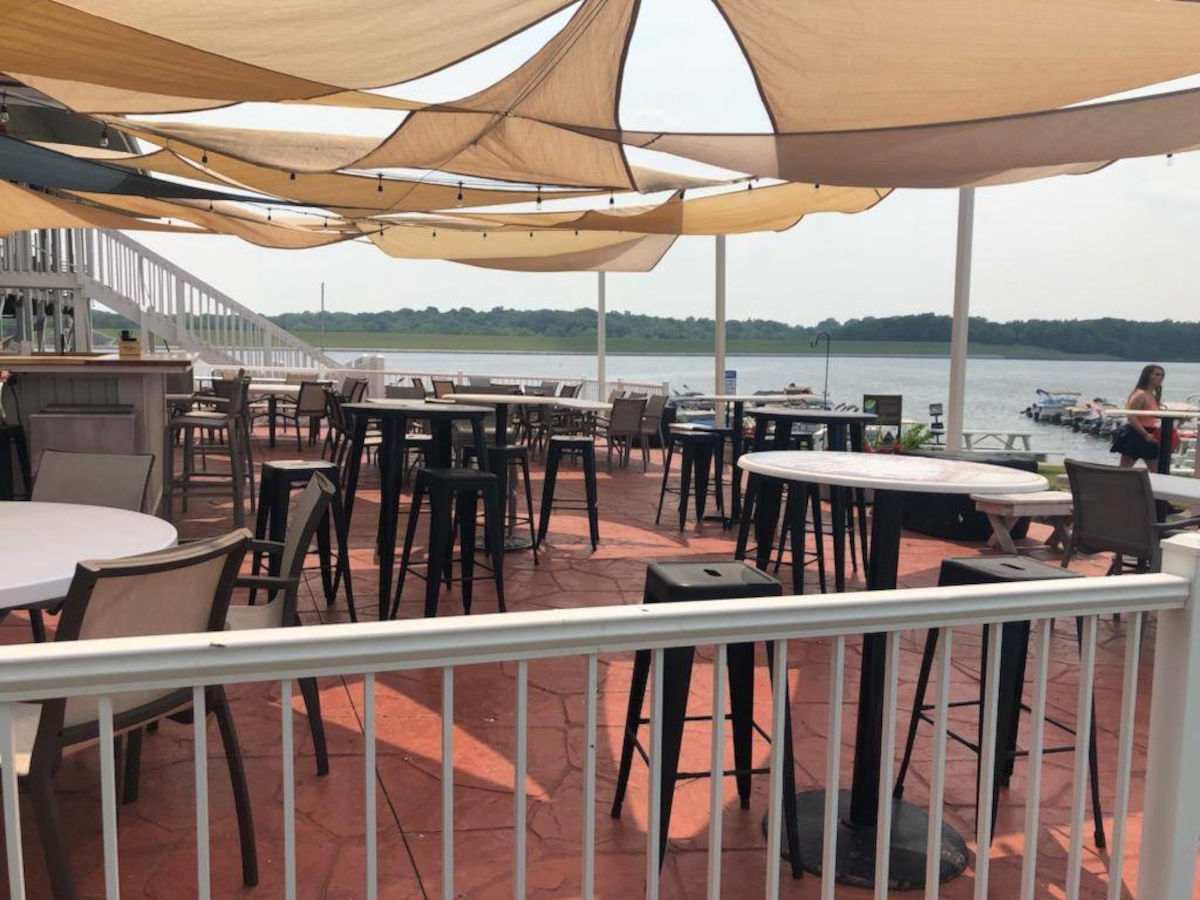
(1121, 338)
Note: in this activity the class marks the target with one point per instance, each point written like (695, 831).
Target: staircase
(135, 282)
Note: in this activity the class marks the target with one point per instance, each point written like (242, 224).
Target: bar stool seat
(701, 450)
(675, 582)
(453, 494)
(1014, 644)
(279, 478)
(559, 445)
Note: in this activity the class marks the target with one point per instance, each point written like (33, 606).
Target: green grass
(372, 340)
(1051, 471)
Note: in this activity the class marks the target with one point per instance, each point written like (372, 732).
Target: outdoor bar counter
(93, 403)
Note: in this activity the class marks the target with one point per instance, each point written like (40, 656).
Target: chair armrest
(1178, 524)
(266, 582)
(270, 547)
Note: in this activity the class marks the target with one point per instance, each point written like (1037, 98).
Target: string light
(816, 187)
(291, 176)
(3, 108)
(379, 183)
(435, 235)
(539, 195)
(459, 198)
(531, 234)
(104, 136)
(1170, 159)
(611, 201)
(485, 235)
(204, 158)
(268, 214)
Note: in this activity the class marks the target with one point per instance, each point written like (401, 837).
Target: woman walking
(1138, 438)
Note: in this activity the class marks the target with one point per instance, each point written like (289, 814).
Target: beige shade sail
(499, 132)
(954, 154)
(22, 209)
(95, 99)
(237, 50)
(638, 255)
(280, 231)
(469, 241)
(771, 208)
(849, 64)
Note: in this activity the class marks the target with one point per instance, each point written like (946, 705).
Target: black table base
(856, 845)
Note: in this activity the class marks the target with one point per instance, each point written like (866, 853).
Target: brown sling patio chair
(283, 587)
(178, 591)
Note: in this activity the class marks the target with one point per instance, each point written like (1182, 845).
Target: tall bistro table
(272, 392)
(44, 541)
(394, 416)
(1167, 418)
(890, 477)
(501, 403)
(845, 431)
(738, 402)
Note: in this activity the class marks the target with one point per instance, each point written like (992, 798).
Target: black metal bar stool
(278, 479)
(506, 461)
(1014, 645)
(453, 494)
(701, 450)
(13, 445)
(674, 582)
(799, 499)
(585, 446)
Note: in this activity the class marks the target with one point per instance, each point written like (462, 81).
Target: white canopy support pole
(962, 311)
(719, 336)
(601, 339)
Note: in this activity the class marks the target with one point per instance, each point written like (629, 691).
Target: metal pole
(962, 310)
(601, 338)
(322, 317)
(719, 335)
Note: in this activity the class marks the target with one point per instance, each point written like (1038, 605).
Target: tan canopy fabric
(835, 64)
(101, 99)
(235, 50)
(22, 209)
(772, 208)
(281, 231)
(953, 154)
(500, 132)
(639, 255)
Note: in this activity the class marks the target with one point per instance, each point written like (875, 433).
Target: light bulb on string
(104, 136)
(459, 198)
(379, 183)
(539, 196)
(1170, 159)
(3, 108)
(611, 199)
(291, 176)
(204, 158)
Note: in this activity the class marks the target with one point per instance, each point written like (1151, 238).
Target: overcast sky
(1120, 242)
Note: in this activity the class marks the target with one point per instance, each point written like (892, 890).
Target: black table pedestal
(858, 807)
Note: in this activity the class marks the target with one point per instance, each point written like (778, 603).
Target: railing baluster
(779, 714)
(12, 805)
(448, 782)
(1129, 681)
(289, 790)
(1083, 725)
(370, 836)
(1037, 736)
(108, 798)
(654, 806)
(937, 782)
(716, 787)
(987, 759)
(519, 764)
(887, 765)
(833, 765)
(200, 761)
(589, 781)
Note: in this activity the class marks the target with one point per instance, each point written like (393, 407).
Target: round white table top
(1161, 413)
(42, 542)
(529, 400)
(888, 472)
(261, 389)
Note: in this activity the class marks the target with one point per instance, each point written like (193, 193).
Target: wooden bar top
(100, 364)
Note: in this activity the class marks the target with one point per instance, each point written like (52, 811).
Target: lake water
(997, 389)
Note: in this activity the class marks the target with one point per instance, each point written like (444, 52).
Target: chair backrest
(500, 389)
(347, 385)
(442, 387)
(627, 415)
(655, 404)
(235, 391)
(358, 390)
(613, 395)
(1114, 510)
(549, 388)
(178, 591)
(479, 380)
(180, 382)
(115, 480)
(418, 384)
(404, 392)
(311, 399)
(570, 390)
(295, 378)
(307, 513)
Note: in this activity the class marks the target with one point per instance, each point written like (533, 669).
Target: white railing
(372, 365)
(1171, 807)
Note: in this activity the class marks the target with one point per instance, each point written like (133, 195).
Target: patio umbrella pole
(601, 338)
(960, 322)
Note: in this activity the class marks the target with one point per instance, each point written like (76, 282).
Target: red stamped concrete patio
(157, 841)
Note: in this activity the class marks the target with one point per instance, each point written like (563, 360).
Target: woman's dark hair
(1143, 382)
